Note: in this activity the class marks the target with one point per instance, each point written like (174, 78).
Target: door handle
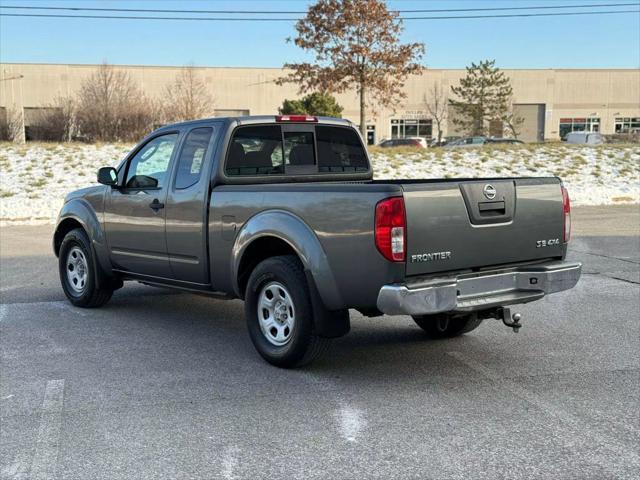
(156, 205)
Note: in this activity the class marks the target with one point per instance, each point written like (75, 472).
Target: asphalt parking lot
(160, 384)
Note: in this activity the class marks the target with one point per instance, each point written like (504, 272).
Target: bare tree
(511, 122)
(10, 125)
(356, 43)
(436, 105)
(187, 98)
(112, 108)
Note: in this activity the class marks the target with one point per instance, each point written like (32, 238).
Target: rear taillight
(391, 229)
(296, 118)
(566, 209)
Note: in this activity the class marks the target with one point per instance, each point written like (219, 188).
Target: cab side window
(192, 157)
(149, 167)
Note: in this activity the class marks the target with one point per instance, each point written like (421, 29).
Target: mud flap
(326, 323)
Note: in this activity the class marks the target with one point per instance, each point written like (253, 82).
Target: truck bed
(446, 229)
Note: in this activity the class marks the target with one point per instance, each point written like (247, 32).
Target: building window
(568, 125)
(402, 128)
(627, 124)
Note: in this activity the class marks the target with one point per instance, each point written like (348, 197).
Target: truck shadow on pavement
(213, 332)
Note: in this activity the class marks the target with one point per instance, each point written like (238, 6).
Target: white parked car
(590, 138)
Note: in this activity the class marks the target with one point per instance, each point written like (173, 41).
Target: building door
(532, 127)
(371, 134)
(395, 129)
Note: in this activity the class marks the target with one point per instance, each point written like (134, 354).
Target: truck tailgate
(457, 225)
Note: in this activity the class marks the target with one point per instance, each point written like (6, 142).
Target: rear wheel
(78, 271)
(279, 313)
(444, 325)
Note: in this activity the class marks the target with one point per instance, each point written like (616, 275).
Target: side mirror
(108, 176)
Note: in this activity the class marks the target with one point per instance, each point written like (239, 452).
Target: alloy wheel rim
(276, 314)
(77, 270)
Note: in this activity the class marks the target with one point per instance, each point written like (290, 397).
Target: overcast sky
(598, 41)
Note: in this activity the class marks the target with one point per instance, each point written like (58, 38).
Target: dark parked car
(417, 142)
(479, 141)
(282, 212)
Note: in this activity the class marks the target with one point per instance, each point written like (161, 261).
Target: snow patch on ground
(34, 178)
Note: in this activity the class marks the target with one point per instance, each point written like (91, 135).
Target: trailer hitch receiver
(512, 321)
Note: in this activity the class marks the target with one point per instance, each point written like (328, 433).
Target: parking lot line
(56, 304)
(624, 455)
(351, 422)
(45, 458)
(230, 462)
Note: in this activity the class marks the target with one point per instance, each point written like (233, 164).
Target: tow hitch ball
(509, 320)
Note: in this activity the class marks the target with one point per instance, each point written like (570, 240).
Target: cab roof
(258, 119)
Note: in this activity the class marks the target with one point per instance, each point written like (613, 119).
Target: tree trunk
(363, 116)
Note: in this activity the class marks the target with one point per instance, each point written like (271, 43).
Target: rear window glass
(298, 148)
(266, 150)
(340, 150)
(256, 151)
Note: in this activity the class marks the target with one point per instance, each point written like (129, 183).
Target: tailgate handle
(492, 208)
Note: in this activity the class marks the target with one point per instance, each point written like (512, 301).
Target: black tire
(444, 325)
(85, 295)
(302, 345)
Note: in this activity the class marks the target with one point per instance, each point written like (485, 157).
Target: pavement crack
(606, 256)
(613, 277)
(626, 280)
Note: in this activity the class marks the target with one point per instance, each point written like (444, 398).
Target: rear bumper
(478, 291)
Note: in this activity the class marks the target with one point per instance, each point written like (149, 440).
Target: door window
(148, 168)
(192, 157)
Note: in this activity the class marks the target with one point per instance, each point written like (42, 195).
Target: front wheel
(443, 325)
(77, 271)
(279, 313)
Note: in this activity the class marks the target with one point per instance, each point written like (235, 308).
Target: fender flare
(80, 211)
(291, 229)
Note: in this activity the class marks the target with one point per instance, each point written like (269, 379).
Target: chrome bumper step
(478, 291)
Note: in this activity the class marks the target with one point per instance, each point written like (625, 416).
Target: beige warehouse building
(552, 102)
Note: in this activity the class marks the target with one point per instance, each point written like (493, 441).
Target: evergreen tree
(321, 104)
(483, 96)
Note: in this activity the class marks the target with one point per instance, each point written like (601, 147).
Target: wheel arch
(64, 227)
(278, 232)
(79, 214)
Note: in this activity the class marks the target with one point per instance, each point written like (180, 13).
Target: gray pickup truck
(283, 212)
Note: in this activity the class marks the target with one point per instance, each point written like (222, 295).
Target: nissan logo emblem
(489, 191)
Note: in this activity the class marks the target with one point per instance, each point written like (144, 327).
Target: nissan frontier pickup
(283, 213)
